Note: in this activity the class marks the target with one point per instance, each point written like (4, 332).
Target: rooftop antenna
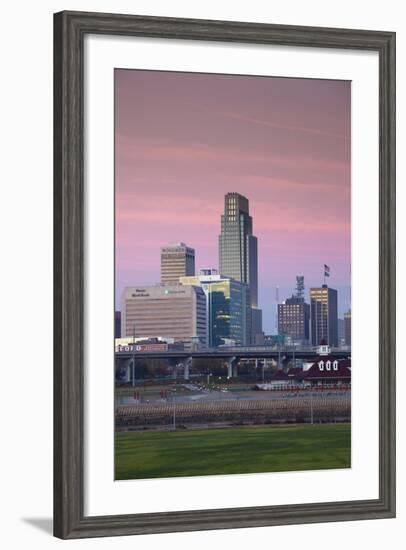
(300, 286)
(276, 305)
(326, 273)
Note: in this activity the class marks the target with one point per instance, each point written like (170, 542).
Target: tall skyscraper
(237, 245)
(177, 260)
(228, 307)
(238, 251)
(323, 315)
(347, 327)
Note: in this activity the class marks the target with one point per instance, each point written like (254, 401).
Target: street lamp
(133, 368)
(311, 404)
(174, 410)
(133, 377)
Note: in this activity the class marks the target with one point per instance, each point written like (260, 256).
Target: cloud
(276, 125)
(133, 149)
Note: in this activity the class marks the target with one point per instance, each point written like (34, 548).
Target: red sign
(142, 348)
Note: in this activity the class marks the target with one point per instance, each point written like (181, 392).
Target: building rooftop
(280, 375)
(208, 271)
(319, 369)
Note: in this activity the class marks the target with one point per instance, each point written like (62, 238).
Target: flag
(326, 271)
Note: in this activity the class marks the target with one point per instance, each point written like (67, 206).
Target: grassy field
(140, 455)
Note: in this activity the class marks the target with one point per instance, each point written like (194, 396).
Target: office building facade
(117, 324)
(228, 306)
(177, 260)
(294, 320)
(238, 250)
(347, 328)
(256, 325)
(341, 331)
(323, 316)
(164, 311)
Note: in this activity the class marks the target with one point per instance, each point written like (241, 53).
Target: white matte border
(103, 495)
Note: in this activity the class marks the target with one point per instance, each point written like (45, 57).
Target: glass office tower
(238, 251)
(238, 256)
(228, 308)
(324, 316)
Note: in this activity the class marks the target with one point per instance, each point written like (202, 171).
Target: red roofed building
(327, 370)
(279, 376)
(294, 372)
(278, 380)
(322, 369)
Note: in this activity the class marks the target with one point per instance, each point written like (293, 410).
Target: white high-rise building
(166, 311)
(177, 260)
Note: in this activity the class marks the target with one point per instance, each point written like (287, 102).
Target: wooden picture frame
(69, 31)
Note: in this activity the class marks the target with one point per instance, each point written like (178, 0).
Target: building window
(328, 365)
(321, 365)
(335, 365)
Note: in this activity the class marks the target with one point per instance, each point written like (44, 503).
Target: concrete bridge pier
(264, 367)
(128, 370)
(187, 365)
(282, 362)
(129, 366)
(231, 367)
(173, 364)
(285, 363)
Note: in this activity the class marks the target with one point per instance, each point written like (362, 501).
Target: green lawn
(140, 455)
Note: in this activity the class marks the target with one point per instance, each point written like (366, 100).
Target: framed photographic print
(224, 274)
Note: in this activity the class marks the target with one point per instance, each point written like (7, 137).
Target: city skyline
(185, 140)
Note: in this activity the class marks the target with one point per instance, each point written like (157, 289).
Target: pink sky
(184, 140)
